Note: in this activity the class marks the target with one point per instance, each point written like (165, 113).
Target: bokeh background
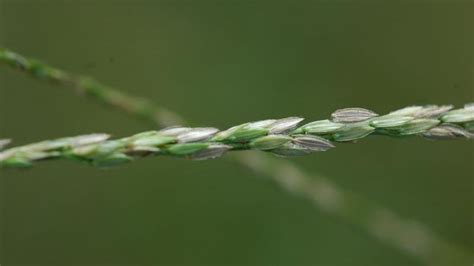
(220, 63)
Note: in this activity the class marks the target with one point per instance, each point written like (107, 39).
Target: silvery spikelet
(417, 126)
(352, 115)
(142, 151)
(447, 132)
(244, 133)
(390, 121)
(196, 134)
(88, 139)
(321, 127)
(173, 131)
(463, 115)
(151, 140)
(432, 111)
(260, 124)
(352, 132)
(269, 142)
(312, 143)
(291, 149)
(225, 134)
(211, 152)
(407, 111)
(284, 125)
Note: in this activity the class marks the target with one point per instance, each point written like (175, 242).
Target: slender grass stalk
(405, 235)
(279, 136)
(91, 88)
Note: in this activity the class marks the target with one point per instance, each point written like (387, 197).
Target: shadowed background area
(221, 63)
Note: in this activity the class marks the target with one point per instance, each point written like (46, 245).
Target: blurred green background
(220, 63)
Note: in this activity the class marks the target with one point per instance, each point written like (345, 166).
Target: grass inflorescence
(401, 233)
(283, 137)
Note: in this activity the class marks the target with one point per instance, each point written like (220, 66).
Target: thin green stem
(91, 88)
(406, 235)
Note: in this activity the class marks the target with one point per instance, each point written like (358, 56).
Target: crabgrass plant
(284, 137)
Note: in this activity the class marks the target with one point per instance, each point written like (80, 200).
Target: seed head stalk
(405, 235)
(93, 89)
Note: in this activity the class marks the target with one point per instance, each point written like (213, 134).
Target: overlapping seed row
(283, 137)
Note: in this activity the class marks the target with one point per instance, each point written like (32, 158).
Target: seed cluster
(283, 137)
